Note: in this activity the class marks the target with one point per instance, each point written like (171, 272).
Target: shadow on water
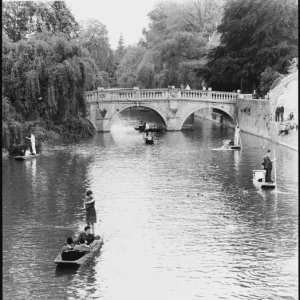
(63, 270)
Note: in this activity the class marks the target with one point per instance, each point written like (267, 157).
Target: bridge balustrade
(161, 94)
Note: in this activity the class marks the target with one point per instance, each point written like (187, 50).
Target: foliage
(126, 72)
(293, 65)
(20, 19)
(268, 77)
(175, 43)
(254, 35)
(93, 36)
(45, 76)
(119, 53)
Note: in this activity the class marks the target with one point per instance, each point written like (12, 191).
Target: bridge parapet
(161, 94)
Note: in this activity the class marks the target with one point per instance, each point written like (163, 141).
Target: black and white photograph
(150, 150)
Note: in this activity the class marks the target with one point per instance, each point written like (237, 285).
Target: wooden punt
(259, 180)
(75, 257)
(26, 157)
(149, 141)
(153, 129)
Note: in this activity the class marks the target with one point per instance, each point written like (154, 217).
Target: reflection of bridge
(173, 106)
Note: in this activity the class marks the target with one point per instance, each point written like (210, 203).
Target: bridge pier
(173, 124)
(103, 125)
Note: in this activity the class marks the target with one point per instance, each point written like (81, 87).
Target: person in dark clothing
(86, 235)
(69, 246)
(268, 166)
(91, 215)
(277, 112)
(281, 112)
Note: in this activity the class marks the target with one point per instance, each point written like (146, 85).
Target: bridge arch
(202, 107)
(120, 109)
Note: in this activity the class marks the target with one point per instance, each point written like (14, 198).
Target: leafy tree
(20, 19)
(93, 36)
(176, 42)
(120, 50)
(46, 76)
(126, 72)
(254, 35)
(268, 77)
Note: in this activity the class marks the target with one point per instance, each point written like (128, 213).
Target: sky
(128, 17)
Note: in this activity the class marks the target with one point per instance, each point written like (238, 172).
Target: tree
(20, 19)
(120, 50)
(126, 72)
(176, 42)
(46, 76)
(254, 35)
(93, 36)
(267, 79)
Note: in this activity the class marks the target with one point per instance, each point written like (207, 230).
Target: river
(170, 232)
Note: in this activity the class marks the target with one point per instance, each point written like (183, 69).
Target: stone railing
(161, 94)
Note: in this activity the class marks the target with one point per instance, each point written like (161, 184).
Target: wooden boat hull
(26, 157)
(142, 129)
(96, 246)
(259, 180)
(235, 147)
(149, 142)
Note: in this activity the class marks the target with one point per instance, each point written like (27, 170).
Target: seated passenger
(231, 143)
(82, 246)
(69, 245)
(291, 116)
(86, 235)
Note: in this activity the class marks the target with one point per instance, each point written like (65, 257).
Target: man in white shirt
(32, 140)
(237, 136)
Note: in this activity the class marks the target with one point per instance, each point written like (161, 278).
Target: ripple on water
(169, 231)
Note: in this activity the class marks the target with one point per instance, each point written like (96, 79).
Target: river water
(169, 232)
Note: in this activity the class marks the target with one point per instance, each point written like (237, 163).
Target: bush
(268, 77)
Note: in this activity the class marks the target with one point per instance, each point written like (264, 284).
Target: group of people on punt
(85, 238)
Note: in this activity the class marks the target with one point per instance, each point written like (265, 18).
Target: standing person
(268, 166)
(89, 205)
(281, 112)
(237, 136)
(277, 111)
(147, 126)
(32, 141)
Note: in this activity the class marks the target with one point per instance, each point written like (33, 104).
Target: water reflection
(169, 232)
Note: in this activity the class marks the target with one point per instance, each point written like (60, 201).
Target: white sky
(128, 17)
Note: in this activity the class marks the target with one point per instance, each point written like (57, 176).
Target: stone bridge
(173, 106)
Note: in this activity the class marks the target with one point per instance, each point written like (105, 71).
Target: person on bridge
(268, 166)
(237, 136)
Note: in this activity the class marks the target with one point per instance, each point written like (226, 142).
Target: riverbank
(253, 119)
(73, 128)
